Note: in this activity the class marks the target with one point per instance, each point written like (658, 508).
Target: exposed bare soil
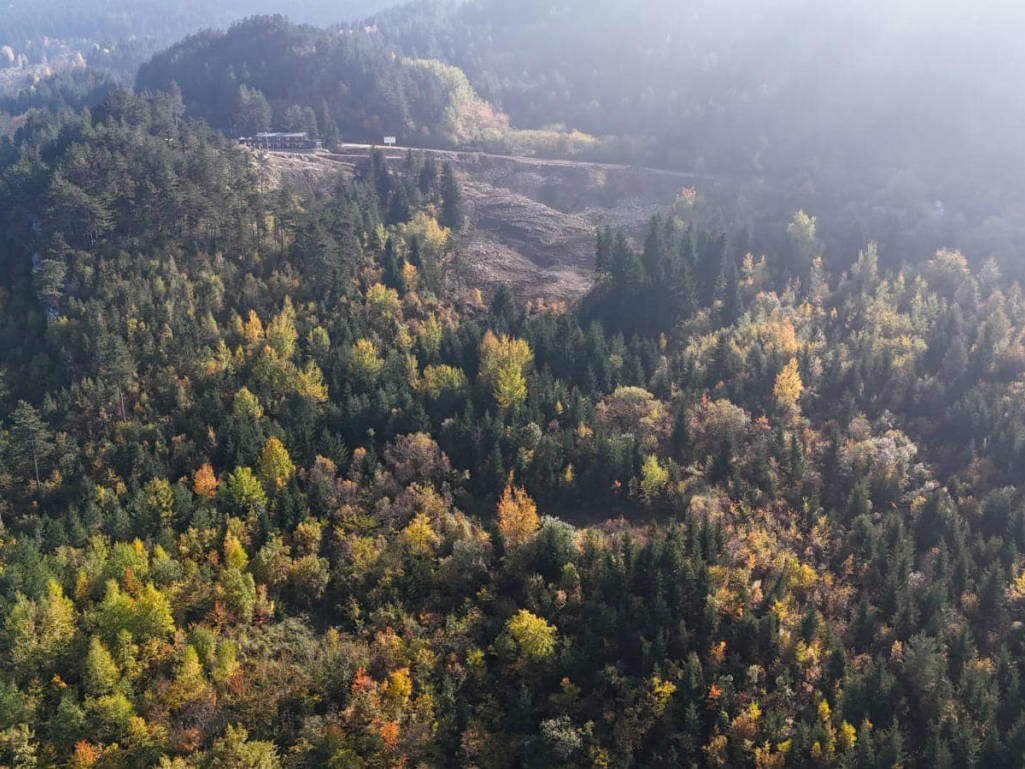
(531, 222)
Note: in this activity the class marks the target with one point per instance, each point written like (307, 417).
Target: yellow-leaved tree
(383, 305)
(654, 478)
(535, 638)
(274, 466)
(158, 502)
(503, 363)
(281, 333)
(420, 536)
(246, 406)
(517, 516)
(253, 328)
(440, 379)
(309, 383)
(788, 385)
(365, 362)
(39, 632)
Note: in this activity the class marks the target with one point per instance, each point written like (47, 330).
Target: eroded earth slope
(532, 222)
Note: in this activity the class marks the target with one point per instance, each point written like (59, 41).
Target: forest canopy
(275, 494)
(283, 486)
(265, 72)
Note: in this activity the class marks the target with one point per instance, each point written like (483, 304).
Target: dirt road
(395, 151)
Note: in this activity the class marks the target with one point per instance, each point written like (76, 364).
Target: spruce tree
(427, 179)
(729, 301)
(452, 214)
(398, 207)
(31, 442)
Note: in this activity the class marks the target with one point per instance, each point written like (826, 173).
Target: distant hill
(754, 86)
(894, 104)
(268, 73)
(877, 111)
(36, 26)
(55, 53)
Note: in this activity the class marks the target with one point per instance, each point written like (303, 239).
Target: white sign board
(389, 140)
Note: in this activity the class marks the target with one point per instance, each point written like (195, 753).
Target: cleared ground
(531, 222)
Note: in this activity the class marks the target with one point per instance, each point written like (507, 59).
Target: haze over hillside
(45, 45)
(897, 116)
(767, 83)
(902, 102)
(26, 24)
(266, 72)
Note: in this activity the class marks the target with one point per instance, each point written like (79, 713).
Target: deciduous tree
(517, 516)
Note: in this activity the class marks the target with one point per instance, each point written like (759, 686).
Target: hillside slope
(265, 72)
(532, 222)
(271, 495)
(881, 104)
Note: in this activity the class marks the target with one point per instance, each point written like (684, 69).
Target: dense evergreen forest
(265, 73)
(274, 494)
(55, 53)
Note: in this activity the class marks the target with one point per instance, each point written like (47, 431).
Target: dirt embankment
(531, 223)
(307, 172)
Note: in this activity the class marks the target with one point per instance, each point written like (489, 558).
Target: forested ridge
(791, 89)
(37, 31)
(899, 106)
(878, 113)
(275, 494)
(265, 72)
(55, 54)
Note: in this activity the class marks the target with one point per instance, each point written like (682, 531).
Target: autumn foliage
(783, 518)
(517, 516)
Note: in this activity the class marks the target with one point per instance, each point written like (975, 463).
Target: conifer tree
(729, 300)
(31, 441)
(101, 673)
(452, 214)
